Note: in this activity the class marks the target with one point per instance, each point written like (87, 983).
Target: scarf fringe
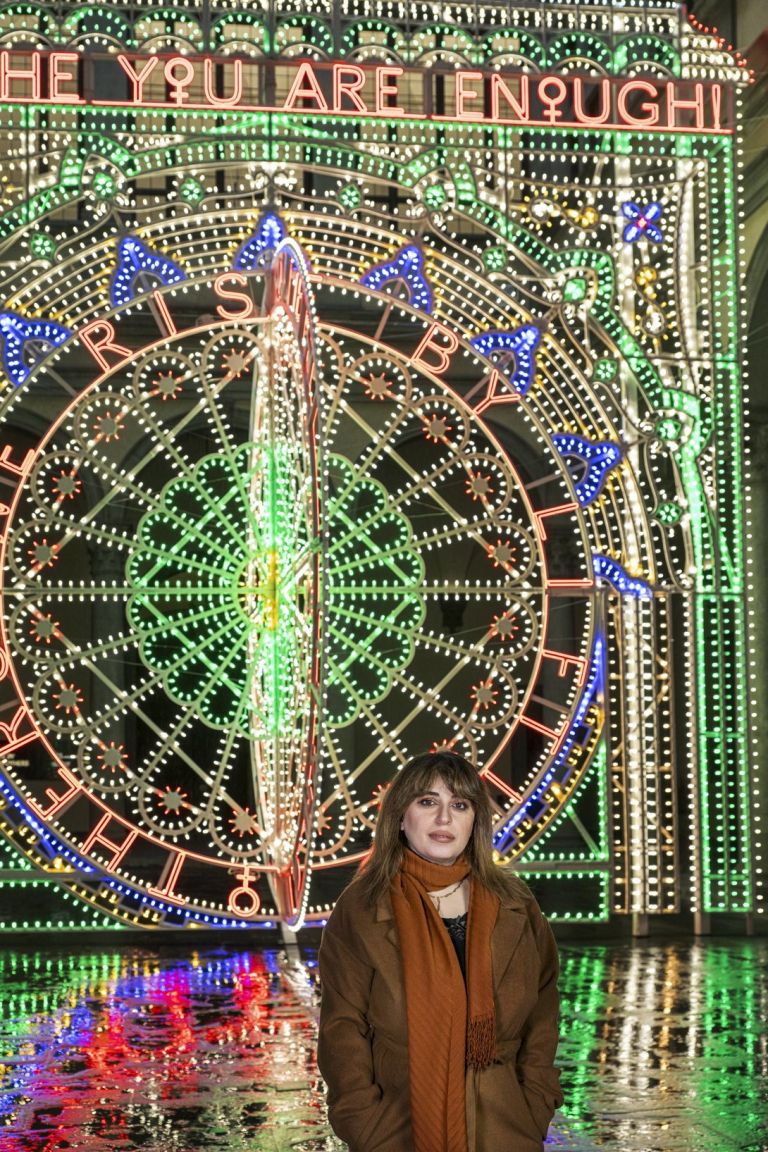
(481, 1041)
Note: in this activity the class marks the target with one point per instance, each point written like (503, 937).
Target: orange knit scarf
(450, 1026)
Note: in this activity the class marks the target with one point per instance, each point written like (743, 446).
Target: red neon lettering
(10, 732)
(493, 397)
(552, 103)
(58, 76)
(29, 75)
(385, 89)
(192, 82)
(58, 800)
(651, 110)
(248, 309)
(179, 83)
(564, 661)
(578, 102)
(493, 779)
(674, 103)
(120, 851)
(295, 294)
(717, 99)
(540, 517)
(163, 316)
(350, 88)
(170, 875)
(520, 107)
(16, 469)
(541, 728)
(287, 286)
(244, 892)
(209, 87)
(464, 94)
(276, 283)
(564, 586)
(98, 347)
(306, 87)
(138, 79)
(442, 352)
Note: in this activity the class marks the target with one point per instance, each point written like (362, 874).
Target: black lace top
(457, 930)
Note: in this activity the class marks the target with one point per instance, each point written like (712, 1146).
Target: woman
(438, 1020)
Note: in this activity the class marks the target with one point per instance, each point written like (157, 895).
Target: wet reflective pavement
(664, 1049)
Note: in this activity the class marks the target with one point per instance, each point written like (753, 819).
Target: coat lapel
(386, 916)
(506, 936)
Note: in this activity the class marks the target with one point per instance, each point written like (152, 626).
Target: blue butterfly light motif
(26, 342)
(522, 344)
(137, 266)
(407, 265)
(593, 461)
(258, 249)
(643, 222)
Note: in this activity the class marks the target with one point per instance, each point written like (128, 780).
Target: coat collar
(509, 900)
(504, 938)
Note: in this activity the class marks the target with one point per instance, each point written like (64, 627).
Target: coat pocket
(501, 1117)
(390, 1130)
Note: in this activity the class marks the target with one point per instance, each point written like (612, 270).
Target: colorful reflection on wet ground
(664, 1049)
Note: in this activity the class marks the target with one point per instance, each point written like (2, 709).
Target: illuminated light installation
(258, 250)
(407, 266)
(521, 344)
(643, 223)
(594, 462)
(359, 399)
(26, 342)
(618, 578)
(138, 269)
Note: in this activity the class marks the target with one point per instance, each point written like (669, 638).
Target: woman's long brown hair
(414, 779)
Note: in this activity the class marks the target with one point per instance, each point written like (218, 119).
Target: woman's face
(437, 824)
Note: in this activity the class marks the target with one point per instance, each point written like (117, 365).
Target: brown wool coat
(363, 1047)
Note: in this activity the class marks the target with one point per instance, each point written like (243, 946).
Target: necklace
(444, 895)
